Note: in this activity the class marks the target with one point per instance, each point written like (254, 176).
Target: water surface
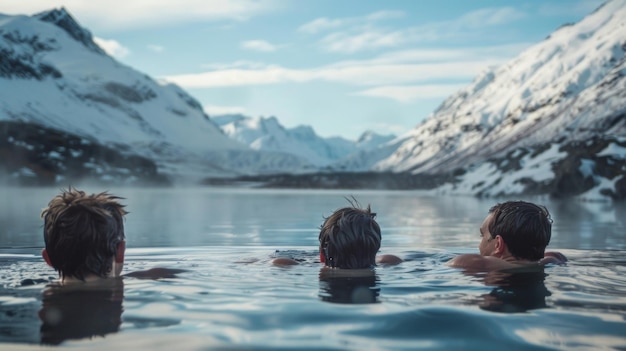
(232, 298)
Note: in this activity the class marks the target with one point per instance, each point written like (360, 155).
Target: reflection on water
(349, 287)
(186, 217)
(81, 311)
(233, 298)
(515, 292)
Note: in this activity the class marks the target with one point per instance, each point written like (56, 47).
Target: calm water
(231, 298)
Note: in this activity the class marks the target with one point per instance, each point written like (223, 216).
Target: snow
(25, 171)
(102, 100)
(594, 193)
(570, 86)
(55, 155)
(586, 168)
(614, 150)
(267, 134)
(539, 168)
(489, 180)
(553, 89)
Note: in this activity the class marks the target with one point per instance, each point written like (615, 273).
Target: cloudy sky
(340, 66)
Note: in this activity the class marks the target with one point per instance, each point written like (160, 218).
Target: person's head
(350, 238)
(84, 234)
(522, 228)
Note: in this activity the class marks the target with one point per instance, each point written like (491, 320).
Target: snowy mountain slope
(364, 159)
(267, 134)
(594, 169)
(572, 86)
(370, 140)
(54, 75)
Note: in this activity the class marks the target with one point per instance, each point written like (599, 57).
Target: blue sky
(340, 66)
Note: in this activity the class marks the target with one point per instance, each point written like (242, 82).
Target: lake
(232, 298)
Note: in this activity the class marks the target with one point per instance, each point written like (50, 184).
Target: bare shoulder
(554, 257)
(284, 261)
(388, 259)
(551, 260)
(476, 262)
(156, 273)
(467, 261)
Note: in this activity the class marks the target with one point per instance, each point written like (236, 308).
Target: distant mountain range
(54, 77)
(551, 121)
(267, 134)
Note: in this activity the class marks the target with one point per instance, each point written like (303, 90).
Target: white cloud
(455, 54)
(240, 77)
(392, 69)
(323, 23)
(579, 8)
(319, 25)
(372, 40)
(258, 45)
(236, 64)
(385, 15)
(357, 34)
(412, 93)
(156, 48)
(213, 110)
(123, 14)
(112, 47)
(488, 17)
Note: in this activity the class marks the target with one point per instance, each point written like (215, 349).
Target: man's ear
(44, 254)
(500, 244)
(121, 249)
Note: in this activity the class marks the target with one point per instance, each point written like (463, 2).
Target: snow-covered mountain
(568, 90)
(551, 121)
(53, 75)
(267, 134)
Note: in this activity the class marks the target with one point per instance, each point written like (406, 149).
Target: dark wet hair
(82, 232)
(350, 238)
(526, 228)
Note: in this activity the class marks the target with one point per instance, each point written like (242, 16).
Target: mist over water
(187, 217)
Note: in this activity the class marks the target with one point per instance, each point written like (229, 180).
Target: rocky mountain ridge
(53, 75)
(267, 134)
(551, 121)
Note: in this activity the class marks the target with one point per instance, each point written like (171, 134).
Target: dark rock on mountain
(31, 154)
(343, 180)
(62, 19)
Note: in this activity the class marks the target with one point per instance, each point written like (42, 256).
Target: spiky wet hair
(350, 238)
(82, 232)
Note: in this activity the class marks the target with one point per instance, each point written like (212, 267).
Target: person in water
(85, 243)
(514, 234)
(84, 235)
(85, 240)
(349, 239)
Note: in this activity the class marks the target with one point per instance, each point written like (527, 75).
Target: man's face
(487, 244)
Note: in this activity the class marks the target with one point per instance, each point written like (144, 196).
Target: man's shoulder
(467, 261)
(480, 263)
(388, 260)
(156, 273)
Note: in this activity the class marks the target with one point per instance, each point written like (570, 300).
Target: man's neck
(90, 278)
(74, 280)
(508, 257)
